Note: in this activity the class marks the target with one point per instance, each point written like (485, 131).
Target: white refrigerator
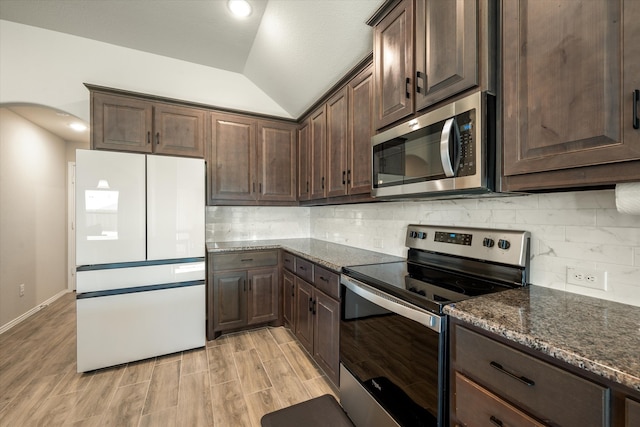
(140, 256)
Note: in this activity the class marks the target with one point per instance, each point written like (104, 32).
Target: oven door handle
(450, 147)
(395, 305)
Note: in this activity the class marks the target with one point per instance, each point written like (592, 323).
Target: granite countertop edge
(581, 361)
(333, 256)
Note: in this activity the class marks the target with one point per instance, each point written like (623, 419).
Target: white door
(175, 207)
(110, 207)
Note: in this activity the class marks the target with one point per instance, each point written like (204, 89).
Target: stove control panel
(504, 246)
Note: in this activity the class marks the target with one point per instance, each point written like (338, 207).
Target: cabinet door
(178, 131)
(567, 88)
(229, 300)
(446, 49)
(288, 298)
(232, 157)
(337, 134)
(304, 172)
(263, 296)
(360, 132)
(393, 56)
(326, 338)
(121, 123)
(632, 413)
(277, 159)
(318, 153)
(304, 314)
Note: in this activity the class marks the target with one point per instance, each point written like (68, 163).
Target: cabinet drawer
(289, 262)
(548, 392)
(327, 281)
(304, 269)
(237, 260)
(476, 406)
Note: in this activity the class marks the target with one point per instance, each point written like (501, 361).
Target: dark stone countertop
(330, 255)
(600, 336)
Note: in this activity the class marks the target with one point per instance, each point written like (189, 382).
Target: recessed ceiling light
(78, 127)
(239, 8)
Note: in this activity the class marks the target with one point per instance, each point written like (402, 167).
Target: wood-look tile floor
(232, 382)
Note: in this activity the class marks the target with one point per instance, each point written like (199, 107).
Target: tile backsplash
(573, 229)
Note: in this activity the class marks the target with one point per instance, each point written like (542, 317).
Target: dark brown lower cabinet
(310, 298)
(317, 326)
(495, 382)
(288, 298)
(242, 291)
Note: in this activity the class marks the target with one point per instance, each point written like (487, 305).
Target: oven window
(395, 359)
(412, 158)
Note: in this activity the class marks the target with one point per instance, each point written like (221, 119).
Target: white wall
(32, 215)
(49, 68)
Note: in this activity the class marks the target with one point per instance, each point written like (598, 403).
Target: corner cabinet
(311, 300)
(126, 123)
(242, 291)
(569, 76)
(251, 160)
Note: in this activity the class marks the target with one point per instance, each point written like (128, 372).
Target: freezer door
(122, 328)
(110, 207)
(175, 207)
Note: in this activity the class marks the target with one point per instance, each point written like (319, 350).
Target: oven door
(392, 355)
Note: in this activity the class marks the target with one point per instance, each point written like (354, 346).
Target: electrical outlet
(21, 289)
(588, 278)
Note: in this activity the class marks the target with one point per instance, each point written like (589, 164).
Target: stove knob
(413, 289)
(488, 242)
(413, 234)
(504, 244)
(422, 292)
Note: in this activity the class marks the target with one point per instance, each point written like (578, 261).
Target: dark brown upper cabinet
(446, 49)
(360, 133)
(125, 123)
(393, 58)
(569, 74)
(251, 160)
(277, 159)
(451, 42)
(304, 175)
(337, 139)
(317, 152)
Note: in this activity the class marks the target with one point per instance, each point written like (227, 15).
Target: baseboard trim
(31, 312)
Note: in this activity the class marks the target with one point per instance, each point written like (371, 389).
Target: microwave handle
(449, 165)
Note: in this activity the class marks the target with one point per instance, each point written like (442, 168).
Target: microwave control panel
(466, 124)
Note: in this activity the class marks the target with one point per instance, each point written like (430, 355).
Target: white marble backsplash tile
(232, 223)
(571, 229)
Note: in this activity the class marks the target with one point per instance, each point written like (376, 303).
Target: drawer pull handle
(302, 268)
(287, 260)
(324, 279)
(522, 379)
(496, 421)
(636, 99)
(246, 259)
(310, 302)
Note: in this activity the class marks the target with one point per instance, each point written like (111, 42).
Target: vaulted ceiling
(294, 50)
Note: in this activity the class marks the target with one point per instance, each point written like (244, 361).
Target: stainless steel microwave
(447, 152)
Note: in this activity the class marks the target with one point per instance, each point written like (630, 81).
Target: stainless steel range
(393, 333)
